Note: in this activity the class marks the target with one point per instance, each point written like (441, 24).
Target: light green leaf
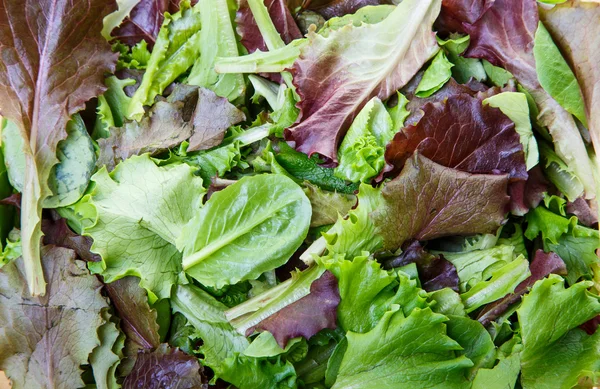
(497, 75)
(464, 68)
(273, 61)
(140, 211)
(476, 342)
(106, 357)
(177, 47)
(560, 174)
(217, 39)
(252, 373)
(514, 105)
(207, 316)
(555, 75)
(403, 352)
(114, 20)
(399, 112)
(112, 106)
(361, 154)
(371, 14)
(503, 375)
(12, 248)
(502, 282)
(555, 353)
(248, 228)
(265, 346)
(447, 302)
(435, 76)
(70, 177)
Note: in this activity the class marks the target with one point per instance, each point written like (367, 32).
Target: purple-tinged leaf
(281, 17)
(143, 23)
(456, 12)
(542, 265)
(165, 368)
(428, 201)
(435, 272)
(529, 194)
(335, 8)
(307, 316)
(585, 212)
(57, 233)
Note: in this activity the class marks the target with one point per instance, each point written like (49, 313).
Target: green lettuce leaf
(361, 153)
(555, 352)
(504, 374)
(140, 210)
(106, 357)
(497, 75)
(475, 340)
(114, 20)
(12, 247)
(227, 243)
(251, 373)
(464, 68)
(177, 47)
(327, 207)
(403, 351)
(112, 106)
(435, 76)
(514, 105)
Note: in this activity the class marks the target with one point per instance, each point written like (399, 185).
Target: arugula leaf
(140, 210)
(331, 96)
(165, 368)
(403, 351)
(225, 243)
(555, 353)
(46, 339)
(435, 76)
(66, 64)
(361, 153)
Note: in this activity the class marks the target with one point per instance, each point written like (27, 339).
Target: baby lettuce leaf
(207, 316)
(338, 8)
(568, 23)
(46, 339)
(555, 352)
(166, 368)
(176, 49)
(116, 18)
(52, 73)
(332, 79)
(428, 201)
(307, 316)
(217, 39)
(281, 16)
(106, 357)
(436, 75)
(403, 350)
(327, 206)
(248, 228)
(361, 153)
(504, 36)
(251, 373)
(482, 139)
(140, 210)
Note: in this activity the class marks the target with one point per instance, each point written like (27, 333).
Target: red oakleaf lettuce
(143, 23)
(428, 201)
(462, 134)
(307, 316)
(337, 75)
(166, 368)
(504, 36)
(542, 265)
(53, 60)
(281, 17)
(332, 8)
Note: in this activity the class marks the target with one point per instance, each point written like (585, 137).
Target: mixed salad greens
(262, 194)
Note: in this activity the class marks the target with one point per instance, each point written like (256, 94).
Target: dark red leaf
(462, 134)
(528, 195)
(586, 213)
(435, 272)
(542, 265)
(332, 8)
(591, 326)
(165, 368)
(14, 200)
(455, 12)
(307, 316)
(57, 233)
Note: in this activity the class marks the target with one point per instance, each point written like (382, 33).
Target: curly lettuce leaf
(250, 373)
(140, 210)
(115, 19)
(403, 351)
(555, 353)
(106, 357)
(46, 339)
(327, 206)
(69, 70)
(332, 96)
(112, 106)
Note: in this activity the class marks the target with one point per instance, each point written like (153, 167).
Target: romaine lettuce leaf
(140, 210)
(331, 96)
(69, 70)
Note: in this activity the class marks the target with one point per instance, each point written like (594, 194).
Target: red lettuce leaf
(54, 59)
(542, 265)
(428, 201)
(166, 368)
(143, 23)
(337, 75)
(586, 213)
(281, 17)
(435, 272)
(529, 194)
(462, 134)
(307, 316)
(455, 12)
(332, 8)
(57, 233)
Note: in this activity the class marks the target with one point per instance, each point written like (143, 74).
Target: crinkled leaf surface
(462, 134)
(403, 351)
(165, 368)
(504, 36)
(44, 340)
(307, 316)
(140, 211)
(428, 201)
(327, 206)
(46, 75)
(250, 227)
(337, 75)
